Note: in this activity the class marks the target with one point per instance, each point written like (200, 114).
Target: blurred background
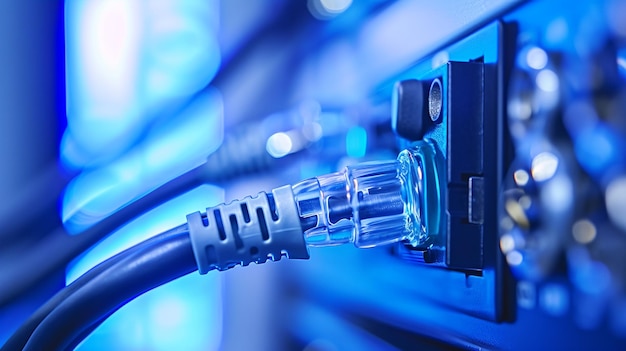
(102, 101)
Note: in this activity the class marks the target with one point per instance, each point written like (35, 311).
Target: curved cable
(134, 274)
(59, 247)
(23, 333)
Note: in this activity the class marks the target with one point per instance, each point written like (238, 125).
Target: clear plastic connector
(369, 204)
(375, 203)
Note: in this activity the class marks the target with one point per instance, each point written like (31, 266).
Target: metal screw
(435, 101)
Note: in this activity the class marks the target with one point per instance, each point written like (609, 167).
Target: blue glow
(621, 61)
(138, 115)
(182, 315)
(598, 149)
(554, 299)
(279, 145)
(185, 314)
(125, 62)
(327, 9)
(100, 77)
(356, 142)
(167, 151)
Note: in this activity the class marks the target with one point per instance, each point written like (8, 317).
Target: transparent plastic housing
(374, 203)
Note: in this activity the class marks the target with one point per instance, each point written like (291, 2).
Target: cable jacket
(21, 335)
(134, 274)
(59, 247)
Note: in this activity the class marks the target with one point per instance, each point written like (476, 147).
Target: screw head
(435, 101)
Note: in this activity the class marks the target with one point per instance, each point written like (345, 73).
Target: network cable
(242, 152)
(21, 336)
(368, 204)
(60, 247)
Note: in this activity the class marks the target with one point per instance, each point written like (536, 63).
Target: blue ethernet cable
(369, 204)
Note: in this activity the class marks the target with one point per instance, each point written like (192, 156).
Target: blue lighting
(185, 314)
(139, 114)
(621, 62)
(599, 150)
(356, 142)
(167, 151)
(126, 63)
(279, 145)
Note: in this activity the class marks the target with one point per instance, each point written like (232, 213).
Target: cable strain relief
(249, 230)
